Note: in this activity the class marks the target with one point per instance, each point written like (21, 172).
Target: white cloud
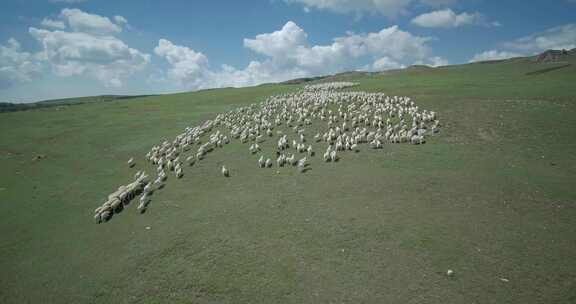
(388, 8)
(561, 37)
(437, 61)
(385, 63)
(104, 58)
(88, 48)
(188, 68)
(287, 54)
(56, 24)
(494, 55)
(278, 43)
(120, 20)
(80, 21)
(17, 66)
(289, 45)
(556, 38)
(68, 1)
(438, 2)
(447, 18)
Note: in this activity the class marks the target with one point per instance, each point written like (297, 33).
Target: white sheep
(261, 162)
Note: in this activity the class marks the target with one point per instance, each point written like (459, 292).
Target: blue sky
(66, 48)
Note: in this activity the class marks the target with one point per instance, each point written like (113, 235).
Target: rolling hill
(491, 198)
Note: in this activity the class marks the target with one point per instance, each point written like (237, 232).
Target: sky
(68, 48)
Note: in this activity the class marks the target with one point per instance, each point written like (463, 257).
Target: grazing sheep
(346, 119)
(327, 156)
(333, 156)
(280, 160)
(261, 162)
(302, 163)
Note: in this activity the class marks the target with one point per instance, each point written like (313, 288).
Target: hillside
(490, 197)
(11, 107)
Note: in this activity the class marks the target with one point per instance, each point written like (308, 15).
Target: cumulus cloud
(494, 55)
(89, 49)
(290, 45)
(561, 37)
(188, 67)
(16, 66)
(278, 43)
(50, 23)
(447, 18)
(287, 53)
(80, 21)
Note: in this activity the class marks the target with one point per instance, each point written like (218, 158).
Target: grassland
(492, 197)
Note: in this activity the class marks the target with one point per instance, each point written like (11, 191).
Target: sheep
(351, 119)
(317, 137)
(310, 151)
(333, 156)
(131, 162)
(261, 162)
(302, 164)
(225, 172)
(148, 188)
(327, 156)
(354, 148)
(280, 160)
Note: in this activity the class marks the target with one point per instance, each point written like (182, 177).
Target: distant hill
(555, 55)
(329, 78)
(11, 107)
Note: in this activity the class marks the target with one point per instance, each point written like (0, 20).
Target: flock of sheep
(319, 115)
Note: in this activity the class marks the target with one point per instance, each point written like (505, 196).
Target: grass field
(491, 197)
